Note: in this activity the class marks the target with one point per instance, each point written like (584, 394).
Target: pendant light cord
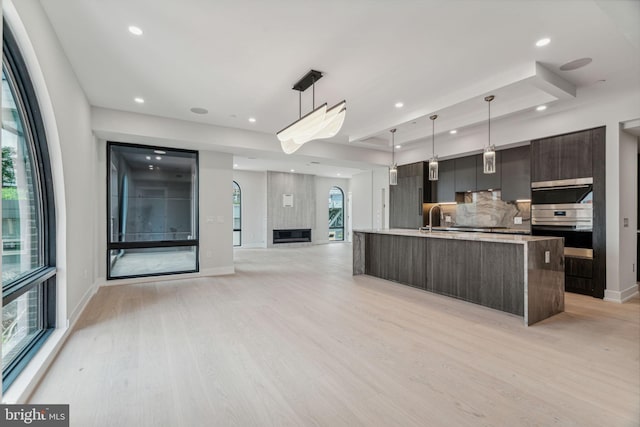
(393, 147)
(433, 135)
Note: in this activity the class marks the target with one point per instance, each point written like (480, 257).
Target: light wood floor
(293, 339)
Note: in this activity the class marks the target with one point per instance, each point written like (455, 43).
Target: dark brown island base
(521, 275)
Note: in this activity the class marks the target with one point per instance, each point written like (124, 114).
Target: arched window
(237, 215)
(336, 214)
(28, 219)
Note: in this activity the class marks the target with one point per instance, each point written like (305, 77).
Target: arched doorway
(336, 214)
(237, 215)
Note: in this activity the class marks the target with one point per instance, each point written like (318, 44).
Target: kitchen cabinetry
(486, 181)
(516, 173)
(446, 191)
(406, 198)
(465, 175)
(562, 157)
(470, 174)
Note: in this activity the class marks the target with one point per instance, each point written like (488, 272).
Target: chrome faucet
(437, 205)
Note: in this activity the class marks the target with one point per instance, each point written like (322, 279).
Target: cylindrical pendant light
(393, 171)
(433, 162)
(489, 156)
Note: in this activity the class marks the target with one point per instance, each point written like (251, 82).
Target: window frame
(152, 243)
(239, 230)
(343, 215)
(43, 277)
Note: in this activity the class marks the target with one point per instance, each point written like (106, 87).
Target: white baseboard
(321, 242)
(621, 296)
(216, 271)
(253, 245)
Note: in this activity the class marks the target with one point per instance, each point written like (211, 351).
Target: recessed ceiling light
(199, 110)
(398, 147)
(338, 173)
(543, 42)
(541, 107)
(150, 166)
(139, 100)
(235, 165)
(136, 31)
(159, 152)
(252, 119)
(148, 157)
(399, 105)
(453, 132)
(293, 170)
(158, 158)
(574, 65)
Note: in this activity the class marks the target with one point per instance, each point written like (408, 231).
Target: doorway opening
(336, 214)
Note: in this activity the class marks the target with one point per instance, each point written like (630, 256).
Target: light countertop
(460, 235)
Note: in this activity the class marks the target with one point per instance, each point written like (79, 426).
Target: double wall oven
(564, 208)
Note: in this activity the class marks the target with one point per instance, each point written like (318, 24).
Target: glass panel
(21, 206)
(20, 324)
(150, 261)
(336, 214)
(236, 238)
(152, 195)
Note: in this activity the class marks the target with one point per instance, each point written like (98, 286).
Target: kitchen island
(517, 274)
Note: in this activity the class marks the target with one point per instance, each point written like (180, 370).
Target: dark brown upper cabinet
(446, 191)
(488, 181)
(562, 157)
(516, 173)
(465, 174)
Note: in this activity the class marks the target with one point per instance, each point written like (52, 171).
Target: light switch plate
(547, 257)
(447, 218)
(517, 220)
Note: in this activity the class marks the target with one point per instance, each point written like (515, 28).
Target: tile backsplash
(486, 209)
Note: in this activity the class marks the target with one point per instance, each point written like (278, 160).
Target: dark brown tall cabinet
(578, 155)
(406, 198)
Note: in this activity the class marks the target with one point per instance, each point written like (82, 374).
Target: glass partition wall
(152, 211)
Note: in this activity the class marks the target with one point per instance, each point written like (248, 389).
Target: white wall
(380, 205)
(323, 186)
(216, 213)
(361, 200)
(66, 114)
(253, 187)
(628, 172)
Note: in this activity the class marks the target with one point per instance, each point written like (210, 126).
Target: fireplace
(295, 235)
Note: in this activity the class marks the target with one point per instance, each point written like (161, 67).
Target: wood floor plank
(293, 339)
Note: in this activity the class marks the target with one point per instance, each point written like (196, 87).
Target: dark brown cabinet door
(488, 181)
(405, 199)
(562, 157)
(516, 175)
(445, 187)
(465, 174)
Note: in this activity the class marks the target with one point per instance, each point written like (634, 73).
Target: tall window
(153, 211)
(336, 214)
(237, 215)
(28, 219)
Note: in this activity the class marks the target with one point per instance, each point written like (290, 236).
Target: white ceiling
(239, 59)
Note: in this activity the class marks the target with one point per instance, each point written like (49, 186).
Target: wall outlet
(447, 218)
(625, 222)
(547, 257)
(517, 220)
